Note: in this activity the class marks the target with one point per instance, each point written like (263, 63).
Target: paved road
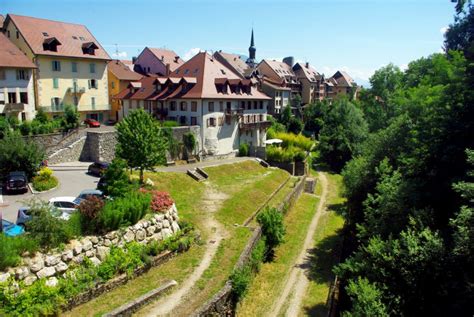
(72, 180)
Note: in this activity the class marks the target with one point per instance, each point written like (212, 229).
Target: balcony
(234, 112)
(14, 107)
(254, 125)
(93, 108)
(76, 90)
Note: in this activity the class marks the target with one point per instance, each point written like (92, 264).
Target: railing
(234, 112)
(255, 125)
(17, 106)
(93, 107)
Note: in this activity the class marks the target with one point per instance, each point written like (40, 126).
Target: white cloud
(404, 67)
(191, 53)
(443, 30)
(120, 54)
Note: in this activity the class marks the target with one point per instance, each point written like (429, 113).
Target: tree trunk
(141, 175)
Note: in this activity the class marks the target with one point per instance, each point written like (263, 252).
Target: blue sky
(358, 36)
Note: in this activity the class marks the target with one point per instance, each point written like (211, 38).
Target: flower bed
(44, 180)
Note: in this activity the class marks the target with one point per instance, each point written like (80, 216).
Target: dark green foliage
(11, 249)
(124, 211)
(313, 116)
(41, 116)
(367, 299)
(189, 142)
(244, 149)
(295, 125)
(342, 134)
(275, 128)
(46, 228)
(273, 229)
(117, 180)
(141, 141)
(122, 261)
(16, 154)
(240, 280)
(286, 115)
(70, 119)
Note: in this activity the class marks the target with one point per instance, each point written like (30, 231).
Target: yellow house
(72, 65)
(120, 75)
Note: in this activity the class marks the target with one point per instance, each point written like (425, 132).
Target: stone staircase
(197, 174)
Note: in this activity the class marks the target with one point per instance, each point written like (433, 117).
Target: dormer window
(89, 48)
(51, 44)
(45, 34)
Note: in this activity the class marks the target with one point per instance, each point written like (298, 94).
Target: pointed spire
(251, 61)
(252, 43)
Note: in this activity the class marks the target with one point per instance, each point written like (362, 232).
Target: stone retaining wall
(96, 248)
(70, 153)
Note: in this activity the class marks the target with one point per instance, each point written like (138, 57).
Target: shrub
(298, 140)
(122, 260)
(11, 249)
(295, 125)
(161, 201)
(278, 154)
(189, 141)
(44, 180)
(70, 118)
(273, 229)
(240, 280)
(124, 211)
(258, 255)
(169, 124)
(91, 206)
(47, 229)
(118, 182)
(244, 149)
(19, 155)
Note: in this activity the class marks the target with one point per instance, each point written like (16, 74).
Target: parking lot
(73, 179)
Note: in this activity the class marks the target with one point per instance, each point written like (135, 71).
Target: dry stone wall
(96, 248)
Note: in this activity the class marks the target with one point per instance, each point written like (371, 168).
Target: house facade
(312, 83)
(204, 92)
(157, 61)
(119, 76)
(71, 65)
(17, 97)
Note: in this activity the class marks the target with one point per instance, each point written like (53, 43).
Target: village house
(71, 65)
(120, 75)
(341, 84)
(16, 82)
(157, 61)
(312, 83)
(204, 92)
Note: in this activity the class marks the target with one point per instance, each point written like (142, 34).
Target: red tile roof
(306, 71)
(167, 57)
(71, 36)
(343, 79)
(283, 70)
(195, 79)
(122, 71)
(2, 18)
(11, 56)
(234, 62)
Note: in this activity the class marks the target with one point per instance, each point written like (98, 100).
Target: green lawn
(247, 184)
(269, 282)
(328, 243)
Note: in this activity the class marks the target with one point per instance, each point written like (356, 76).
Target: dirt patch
(215, 232)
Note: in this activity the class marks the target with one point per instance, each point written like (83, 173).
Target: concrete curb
(129, 308)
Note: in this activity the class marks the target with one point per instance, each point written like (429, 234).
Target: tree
(117, 182)
(17, 154)
(367, 299)
(295, 125)
(273, 229)
(286, 115)
(141, 142)
(41, 116)
(343, 132)
(70, 119)
(313, 116)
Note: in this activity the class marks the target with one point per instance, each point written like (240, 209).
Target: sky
(358, 36)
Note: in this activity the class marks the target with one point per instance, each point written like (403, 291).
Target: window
(23, 97)
(55, 83)
(8, 33)
(112, 84)
(45, 34)
(2, 98)
(55, 102)
(74, 67)
(193, 121)
(82, 38)
(211, 122)
(242, 105)
(210, 106)
(183, 106)
(74, 37)
(173, 105)
(56, 66)
(11, 97)
(93, 101)
(186, 71)
(2, 74)
(22, 74)
(93, 83)
(194, 105)
(23, 116)
(255, 104)
(228, 106)
(92, 68)
(261, 104)
(249, 105)
(221, 106)
(182, 120)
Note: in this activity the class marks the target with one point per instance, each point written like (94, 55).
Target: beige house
(341, 84)
(312, 83)
(71, 65)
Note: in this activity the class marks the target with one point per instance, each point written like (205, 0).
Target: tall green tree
(18, 154)
(141, 142)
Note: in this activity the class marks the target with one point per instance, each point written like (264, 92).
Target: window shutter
(89, 81)
(208, 122)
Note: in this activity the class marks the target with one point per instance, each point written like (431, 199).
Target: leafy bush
(47, 229)
(91, 206)
(298, 140)
(282, 155)
(44, 180)
(11, 249)
(124, 211)
(169, 124)
(19, 155)
(295, 125)
(273, 229)
(240, 280)
(189, 141)
(244, 149)
(275, 128)
(160, 201)
(117, 181)
(70, 118)
(122, 260)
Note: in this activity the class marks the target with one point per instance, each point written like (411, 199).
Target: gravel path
(169, 304)
(296, 284)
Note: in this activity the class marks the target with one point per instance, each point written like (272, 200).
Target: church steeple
(251, 61)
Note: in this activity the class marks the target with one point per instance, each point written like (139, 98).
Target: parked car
(98, 168)
(64, 204)
(111, 122)
(92, 123)
(86, 193)
(16, 182)
(9, 228)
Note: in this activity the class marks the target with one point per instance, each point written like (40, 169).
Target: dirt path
(296, 284)
(166, 306)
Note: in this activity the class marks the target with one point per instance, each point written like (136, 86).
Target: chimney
(176, 58)
(307, 64)
(162, 57)
(134, 59)
(168, 69)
